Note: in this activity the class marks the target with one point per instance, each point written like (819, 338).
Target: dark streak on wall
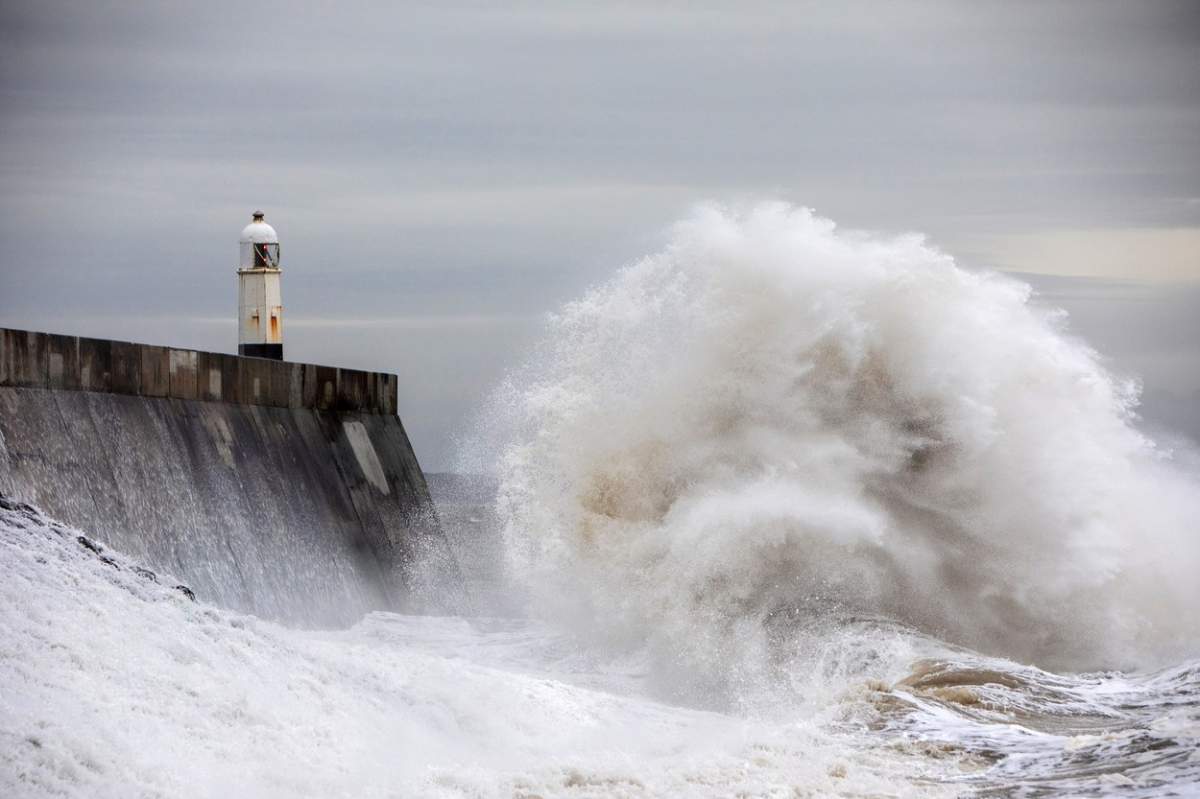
(281, 489)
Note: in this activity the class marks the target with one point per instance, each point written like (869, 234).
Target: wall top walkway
(73, 363)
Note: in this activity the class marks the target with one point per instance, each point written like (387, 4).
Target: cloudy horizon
(444, 175)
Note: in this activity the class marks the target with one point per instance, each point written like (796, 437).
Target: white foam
(114, 686)
(771, 413)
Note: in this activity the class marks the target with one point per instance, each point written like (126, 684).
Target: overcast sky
(442, 174)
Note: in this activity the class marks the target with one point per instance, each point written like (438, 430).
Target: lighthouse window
(266, 256)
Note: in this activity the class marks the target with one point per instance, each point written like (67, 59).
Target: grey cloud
(481, 159)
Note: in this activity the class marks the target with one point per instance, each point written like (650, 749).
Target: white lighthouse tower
(260, 308)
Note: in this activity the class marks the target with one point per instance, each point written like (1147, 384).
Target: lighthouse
(260, 309)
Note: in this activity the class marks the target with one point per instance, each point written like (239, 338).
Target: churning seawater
(778, 511)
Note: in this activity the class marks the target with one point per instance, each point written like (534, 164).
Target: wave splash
(774, 424)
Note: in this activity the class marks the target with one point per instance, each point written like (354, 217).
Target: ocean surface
(780, 511)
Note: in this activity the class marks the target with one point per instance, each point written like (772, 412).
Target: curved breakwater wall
(281, 489)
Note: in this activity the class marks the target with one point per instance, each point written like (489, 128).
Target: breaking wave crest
(773, 425)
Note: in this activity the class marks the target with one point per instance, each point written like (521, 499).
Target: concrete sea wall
(281, 489)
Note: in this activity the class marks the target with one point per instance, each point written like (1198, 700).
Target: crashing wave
(772, 418)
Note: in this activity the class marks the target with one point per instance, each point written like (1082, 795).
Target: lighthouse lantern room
(260, 308)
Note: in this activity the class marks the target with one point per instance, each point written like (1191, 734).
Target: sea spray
(774, 423)
(756, 461)
(115, 685)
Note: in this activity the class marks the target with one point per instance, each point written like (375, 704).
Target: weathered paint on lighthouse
(260, 304)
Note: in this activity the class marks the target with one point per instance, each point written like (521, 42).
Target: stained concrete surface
(262, 509)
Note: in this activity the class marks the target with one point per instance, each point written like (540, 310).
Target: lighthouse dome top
(259, 232)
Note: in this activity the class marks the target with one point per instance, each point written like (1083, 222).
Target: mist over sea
(780, 510)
